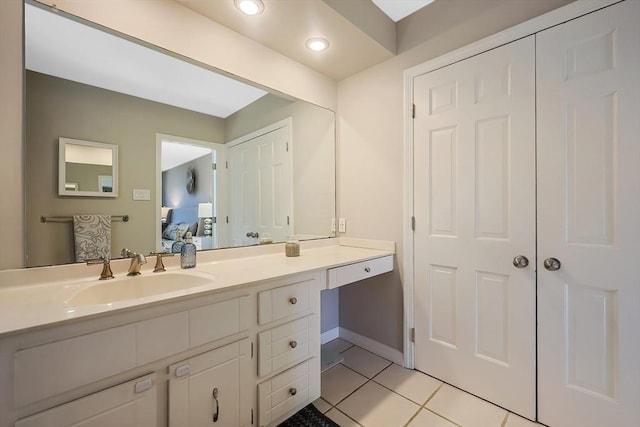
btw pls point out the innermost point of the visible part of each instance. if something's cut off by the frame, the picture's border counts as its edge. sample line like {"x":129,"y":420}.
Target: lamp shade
{"x":165,"y":211}
{"x":205,"y":210}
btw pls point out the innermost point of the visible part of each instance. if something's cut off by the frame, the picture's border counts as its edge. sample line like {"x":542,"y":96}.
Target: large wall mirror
{"x":196,"y":150}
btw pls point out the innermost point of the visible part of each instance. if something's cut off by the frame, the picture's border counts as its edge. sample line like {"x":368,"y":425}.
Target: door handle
{"x":552,"y":264}
{"x":520,"y":261}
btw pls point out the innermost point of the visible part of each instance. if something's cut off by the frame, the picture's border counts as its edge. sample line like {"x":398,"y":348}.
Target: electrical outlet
{"x":342,"y":225}
{"x":333,"y":225}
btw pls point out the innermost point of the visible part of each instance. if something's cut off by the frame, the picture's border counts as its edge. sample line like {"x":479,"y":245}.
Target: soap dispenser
{"x":188,"y":253}
{"x":176,"y":247}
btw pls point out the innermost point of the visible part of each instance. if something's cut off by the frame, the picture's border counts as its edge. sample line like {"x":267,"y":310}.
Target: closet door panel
{"x":588,"y":98}
{"x":474,"y":201}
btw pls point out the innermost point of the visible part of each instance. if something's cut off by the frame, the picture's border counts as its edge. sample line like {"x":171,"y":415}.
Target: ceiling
{"x":359,"y":33}
{"x":399,"y":9}
{"x":64,"y":48}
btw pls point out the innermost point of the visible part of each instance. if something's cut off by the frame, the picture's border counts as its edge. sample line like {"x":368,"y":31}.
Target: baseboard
{"x":329,"y":335}
{"x":373,"y":346}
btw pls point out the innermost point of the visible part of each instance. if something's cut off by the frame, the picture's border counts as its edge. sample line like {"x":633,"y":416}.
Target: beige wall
{"x":61,"y":108}
{"x":313,"y":156}
{"x":370,"y":147}
{"x":11,"y":145}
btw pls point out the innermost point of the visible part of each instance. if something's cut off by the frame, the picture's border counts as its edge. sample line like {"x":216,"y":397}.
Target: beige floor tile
{"x":517,"y":421}
{"x":321,"y":405}
{"x":465,"y":409}
{"x":338,"y":382}
{"x":338,"y":345}
{"x":411,"y":384}
{"x":374,"y":406}
{"x":341,"y":419}
{"x":427,"y":418}
{"x":364,"y":362}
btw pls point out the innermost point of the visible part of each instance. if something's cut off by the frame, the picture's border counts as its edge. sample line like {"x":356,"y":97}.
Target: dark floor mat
{"x":308,"y":416}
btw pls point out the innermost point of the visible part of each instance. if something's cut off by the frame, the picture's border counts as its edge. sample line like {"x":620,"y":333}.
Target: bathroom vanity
{"x":233,"y":342}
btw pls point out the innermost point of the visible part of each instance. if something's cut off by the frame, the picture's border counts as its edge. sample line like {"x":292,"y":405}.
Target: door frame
{"x":218,"y":180}
{"x":535,"y":25}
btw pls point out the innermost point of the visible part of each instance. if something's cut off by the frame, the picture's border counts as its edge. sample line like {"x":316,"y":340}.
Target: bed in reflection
{"x":179,"y":222}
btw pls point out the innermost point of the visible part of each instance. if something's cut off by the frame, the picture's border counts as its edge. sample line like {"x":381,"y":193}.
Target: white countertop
{"x":27,"y":303}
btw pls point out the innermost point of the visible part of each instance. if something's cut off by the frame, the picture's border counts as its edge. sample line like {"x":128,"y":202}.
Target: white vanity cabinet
{"x":175,"y":364}
{"x":244,"y":351}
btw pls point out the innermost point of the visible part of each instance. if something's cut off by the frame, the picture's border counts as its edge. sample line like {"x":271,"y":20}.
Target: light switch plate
{"x":139,"y":194}
{"x":342,"y":225}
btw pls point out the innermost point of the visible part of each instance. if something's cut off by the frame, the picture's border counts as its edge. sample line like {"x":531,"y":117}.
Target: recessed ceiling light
{"x":250,"y":7}
{"x":317,"y":44}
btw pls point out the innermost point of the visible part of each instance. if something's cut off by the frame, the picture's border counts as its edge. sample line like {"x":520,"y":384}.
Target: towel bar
{"x":43,"y":219}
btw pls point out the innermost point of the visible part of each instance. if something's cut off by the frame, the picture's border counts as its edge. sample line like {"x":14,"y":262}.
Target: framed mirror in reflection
{"x":85,"y":84}
{"x":87,"y":168}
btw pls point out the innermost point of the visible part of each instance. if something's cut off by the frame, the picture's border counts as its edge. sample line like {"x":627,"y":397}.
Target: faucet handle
{"x":127,"y":253}
{"x":106,"y":272}
{"x":159,"y":264}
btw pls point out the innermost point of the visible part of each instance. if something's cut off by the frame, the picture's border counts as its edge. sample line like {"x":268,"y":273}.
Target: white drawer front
{"x":288,"y":391}
{"x":219,"y":320}
{"x":284,"y":345}
{"x":284,"y":301}
{"x":161,"y":337}
{"x":133,"y":403}
{"x":346,"y":274}
{"x":54,"y":368}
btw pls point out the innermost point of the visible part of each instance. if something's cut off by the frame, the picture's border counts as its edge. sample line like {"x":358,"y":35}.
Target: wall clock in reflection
{"x":191,"y":180}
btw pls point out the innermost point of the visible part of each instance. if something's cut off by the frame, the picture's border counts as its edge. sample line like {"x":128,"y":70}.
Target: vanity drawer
{"x":215,"y":321}
{"x":284,"y":345}
{"x":133,"y":403}
{"x":288,"y":391}
{"x":346,"y":274}
{"x":284,"y":301}
{"x":54,"y":368}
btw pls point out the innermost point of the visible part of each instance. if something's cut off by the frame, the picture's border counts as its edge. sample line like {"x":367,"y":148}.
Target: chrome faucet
{"x":136,"y":261}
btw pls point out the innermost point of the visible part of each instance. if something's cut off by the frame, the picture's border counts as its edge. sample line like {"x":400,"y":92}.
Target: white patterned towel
{"x":92,"y":236}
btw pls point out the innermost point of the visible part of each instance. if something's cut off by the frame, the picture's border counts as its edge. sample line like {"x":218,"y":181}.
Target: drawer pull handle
{"x":293,"y":391}
{"x":293,"y":344}
{"x":293,"y":300}
{"x":216,"y":415}
{"x":367,"y":269}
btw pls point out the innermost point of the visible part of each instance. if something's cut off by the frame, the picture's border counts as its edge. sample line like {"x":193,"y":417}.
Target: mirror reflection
{"x":87,"y":168}
{"x":234,"y":164}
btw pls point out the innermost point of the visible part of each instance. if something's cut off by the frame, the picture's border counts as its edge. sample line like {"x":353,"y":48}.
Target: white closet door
{"x":474,"y":205}
{"x":588,"y":110}
{"x":261,"y":187}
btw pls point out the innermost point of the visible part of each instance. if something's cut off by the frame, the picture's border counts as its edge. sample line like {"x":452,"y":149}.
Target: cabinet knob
{"x":293,"y":344}
{"x":293,"y":300}
{"x":367,"y":269}
{"x":293,"y":391}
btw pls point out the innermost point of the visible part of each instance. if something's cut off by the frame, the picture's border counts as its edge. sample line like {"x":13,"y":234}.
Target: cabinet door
{"x":129,"y":404}
{"x":212,"y":389}
{"x":588,"y":90}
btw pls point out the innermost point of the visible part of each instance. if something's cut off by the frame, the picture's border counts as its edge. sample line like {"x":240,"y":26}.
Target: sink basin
{"x":130,"y":288}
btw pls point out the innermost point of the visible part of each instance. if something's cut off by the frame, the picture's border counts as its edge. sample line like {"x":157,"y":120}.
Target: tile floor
{"x":368,"y":391}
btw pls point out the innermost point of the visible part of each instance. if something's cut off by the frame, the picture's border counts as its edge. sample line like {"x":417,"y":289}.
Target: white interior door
{"x":589,"y":196}
{"x":261,"y":187}
{"x":474,"y":205}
